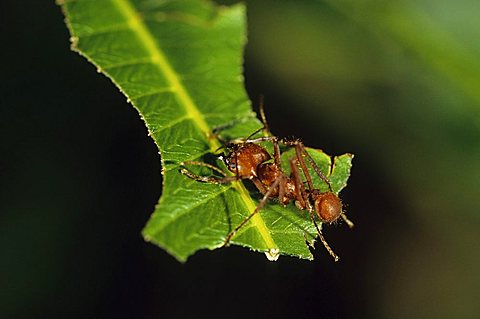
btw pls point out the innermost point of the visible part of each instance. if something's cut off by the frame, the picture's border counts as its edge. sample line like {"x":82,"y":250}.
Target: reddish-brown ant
{"x":248,"y":160}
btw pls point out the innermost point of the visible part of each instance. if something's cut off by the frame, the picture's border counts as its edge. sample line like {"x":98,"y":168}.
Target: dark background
{"x":79,"y":176}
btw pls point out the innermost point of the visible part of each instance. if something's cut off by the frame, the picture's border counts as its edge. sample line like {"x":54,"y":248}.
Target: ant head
{"x":244,"y":159}
{"x":328,"y":206}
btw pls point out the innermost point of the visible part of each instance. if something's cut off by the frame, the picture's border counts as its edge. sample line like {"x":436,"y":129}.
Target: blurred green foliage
{"x":398,"y":83}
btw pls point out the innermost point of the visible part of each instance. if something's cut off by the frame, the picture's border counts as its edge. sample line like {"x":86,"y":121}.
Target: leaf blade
{"x":179,"y":64}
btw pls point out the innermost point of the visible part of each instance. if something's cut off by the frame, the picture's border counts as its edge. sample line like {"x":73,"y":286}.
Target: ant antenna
{"x":266,"y":129}
{"x":219,"y":148}
{"x":317,"y":169}
{"x":215,"y":135}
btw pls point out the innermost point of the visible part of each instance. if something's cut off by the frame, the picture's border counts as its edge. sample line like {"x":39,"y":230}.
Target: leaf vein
{"x":185,"y":211}
{"x":159,"y":59}
{"x":106,"y":30}
{"x":166,"y":89}
{"x":144,"y":60}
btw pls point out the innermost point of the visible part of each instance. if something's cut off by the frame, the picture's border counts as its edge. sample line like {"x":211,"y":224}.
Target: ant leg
{"x":299,"y":155}
{"x":322,"y":239}
{"x":298,"y":151}
{"x":276,"y":146}
{"x":282,"y":188}
{"x":276,"y":153}
{"x":315,"y":167}
{"x":258,"y":183}
{"x":206,"y":179}
{"x":261,"y":204}
{"x":301,"y":196}
{"x":301,"y":151}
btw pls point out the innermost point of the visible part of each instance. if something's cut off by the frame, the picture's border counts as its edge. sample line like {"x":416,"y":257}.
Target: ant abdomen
{"x":328,"y":207}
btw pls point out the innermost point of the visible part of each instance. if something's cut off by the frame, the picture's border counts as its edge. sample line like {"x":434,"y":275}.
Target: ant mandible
{"x":248,"y":160}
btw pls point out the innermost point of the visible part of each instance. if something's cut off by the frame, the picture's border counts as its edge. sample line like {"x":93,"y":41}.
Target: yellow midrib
{"x":159,"y":59}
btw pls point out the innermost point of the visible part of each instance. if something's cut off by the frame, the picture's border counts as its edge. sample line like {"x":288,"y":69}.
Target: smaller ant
{"x":248,"y":160}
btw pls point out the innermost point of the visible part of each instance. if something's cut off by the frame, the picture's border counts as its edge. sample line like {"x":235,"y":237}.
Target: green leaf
{"x":180,"y":65}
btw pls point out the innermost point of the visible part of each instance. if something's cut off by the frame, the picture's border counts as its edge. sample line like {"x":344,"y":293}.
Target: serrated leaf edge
{"x":159,"y":59}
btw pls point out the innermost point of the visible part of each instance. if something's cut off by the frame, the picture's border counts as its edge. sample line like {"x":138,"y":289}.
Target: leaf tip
{"x":273,"y":254}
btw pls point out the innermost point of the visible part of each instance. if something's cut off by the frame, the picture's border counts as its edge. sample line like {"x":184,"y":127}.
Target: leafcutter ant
{"x":247,"y":159}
